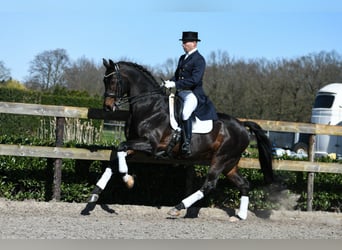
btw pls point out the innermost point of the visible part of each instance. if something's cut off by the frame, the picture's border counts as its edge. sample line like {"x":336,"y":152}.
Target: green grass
{"x":109,"y":137}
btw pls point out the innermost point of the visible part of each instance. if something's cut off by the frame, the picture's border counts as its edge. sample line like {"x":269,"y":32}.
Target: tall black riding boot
{"x":187,"y":133}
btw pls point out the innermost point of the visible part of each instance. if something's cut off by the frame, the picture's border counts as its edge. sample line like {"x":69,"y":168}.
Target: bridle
{"x":118,"y":90}
{"x":121,"y":98}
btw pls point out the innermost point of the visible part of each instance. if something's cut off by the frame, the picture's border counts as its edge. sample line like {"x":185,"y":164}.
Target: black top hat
{"x":190,"y":36}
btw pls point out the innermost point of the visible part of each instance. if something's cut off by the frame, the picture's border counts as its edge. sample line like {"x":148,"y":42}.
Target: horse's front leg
{"x":127,"y":148}
{"x":95,"y":194}
{"x":123,"y":169}
{"x":124,"y":149}
{"x":104,"y":179}
{"x":107,"y":174}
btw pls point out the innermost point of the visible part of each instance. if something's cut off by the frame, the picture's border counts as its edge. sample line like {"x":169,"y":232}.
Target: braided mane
{"x":142,"y":69}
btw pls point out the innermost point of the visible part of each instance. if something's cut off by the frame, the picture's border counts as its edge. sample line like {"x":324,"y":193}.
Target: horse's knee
{"x":122,"y":146}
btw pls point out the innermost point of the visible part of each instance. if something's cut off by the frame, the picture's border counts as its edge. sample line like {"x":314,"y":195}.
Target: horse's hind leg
{"x":243,"y":185}
{"x":209,"y":184}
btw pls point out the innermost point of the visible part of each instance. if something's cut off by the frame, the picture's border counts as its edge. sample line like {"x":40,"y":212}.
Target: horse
{"x":148,"y":131}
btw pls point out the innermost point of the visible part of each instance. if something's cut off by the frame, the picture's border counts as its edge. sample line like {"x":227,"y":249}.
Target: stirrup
{"x":186,"y":149}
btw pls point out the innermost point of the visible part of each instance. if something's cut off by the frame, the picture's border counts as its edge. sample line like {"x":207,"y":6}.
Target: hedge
{"x":26,"y":126}
{"x":31,"y":178}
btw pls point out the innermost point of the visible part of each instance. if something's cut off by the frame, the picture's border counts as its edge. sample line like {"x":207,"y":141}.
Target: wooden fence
{"x":58,"y":152}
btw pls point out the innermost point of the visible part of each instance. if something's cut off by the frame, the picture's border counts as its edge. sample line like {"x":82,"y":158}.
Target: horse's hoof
{"x":174,"y":212}
{"x":129,"y":180}
{"x":90,"y":207}
{"x":234,"y":218}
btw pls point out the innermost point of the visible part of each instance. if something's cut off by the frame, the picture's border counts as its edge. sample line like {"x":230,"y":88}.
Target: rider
{"x":189,"y":85}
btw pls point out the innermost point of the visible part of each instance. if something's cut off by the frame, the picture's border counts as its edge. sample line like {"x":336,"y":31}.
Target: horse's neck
{"x":140,"y":87}
{"x":152,"y":106}
{"x":147,"y":100}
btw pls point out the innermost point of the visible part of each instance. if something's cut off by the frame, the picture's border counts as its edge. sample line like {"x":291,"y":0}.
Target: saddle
{"x":198,"y":126}
{"x":176,"y":107}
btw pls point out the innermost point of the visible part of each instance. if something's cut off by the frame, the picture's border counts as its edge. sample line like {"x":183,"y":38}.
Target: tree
{"x":85,"y":75}
{"x":4,"y":72}
{"x":47,"y":69}
{"x":272,"y":90}
{"x":166,"y":70}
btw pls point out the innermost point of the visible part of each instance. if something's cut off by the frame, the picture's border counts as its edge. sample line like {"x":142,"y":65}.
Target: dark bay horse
{"x":148,"y":130}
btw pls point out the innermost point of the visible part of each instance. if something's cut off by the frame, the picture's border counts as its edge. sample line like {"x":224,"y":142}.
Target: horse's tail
{"x":265,"y":150}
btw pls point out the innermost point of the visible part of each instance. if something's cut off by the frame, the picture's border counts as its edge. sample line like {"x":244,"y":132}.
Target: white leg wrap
{"x":122,"y":162}
{"x":126,"y":177}
{"x":243,"y":207}
{"x":193,"y":198}
{"x":104,"y":178}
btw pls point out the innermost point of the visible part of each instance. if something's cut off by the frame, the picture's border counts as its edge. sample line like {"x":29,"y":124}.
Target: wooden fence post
{"x":57,"y":175}
{"x":311,"y":175}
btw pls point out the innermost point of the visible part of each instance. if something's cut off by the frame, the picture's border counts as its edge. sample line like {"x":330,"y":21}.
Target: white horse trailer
{"x":327,"y":109}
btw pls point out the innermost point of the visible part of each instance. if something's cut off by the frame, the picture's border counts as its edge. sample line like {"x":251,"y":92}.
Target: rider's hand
{"x":169,"y":84}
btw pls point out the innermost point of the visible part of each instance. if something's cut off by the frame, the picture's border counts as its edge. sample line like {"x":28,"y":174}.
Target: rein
{"x":118,"y":93}
{"x":135,"y":99}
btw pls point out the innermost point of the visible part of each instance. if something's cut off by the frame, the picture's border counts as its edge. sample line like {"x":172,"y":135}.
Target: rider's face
{"x":189,"y":45}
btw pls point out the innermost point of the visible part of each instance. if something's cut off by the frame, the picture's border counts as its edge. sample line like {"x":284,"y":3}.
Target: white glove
{"x":169,"y":84}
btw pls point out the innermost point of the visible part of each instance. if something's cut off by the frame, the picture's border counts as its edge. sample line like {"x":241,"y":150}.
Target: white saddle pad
{"x":198,"y":126}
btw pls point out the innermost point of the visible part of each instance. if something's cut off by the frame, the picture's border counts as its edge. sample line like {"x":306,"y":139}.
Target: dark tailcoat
{"x":189,"y":76}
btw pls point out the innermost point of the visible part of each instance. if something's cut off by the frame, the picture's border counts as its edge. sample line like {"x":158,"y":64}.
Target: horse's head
{"x":114,"y":86}
{"x":127,"y":82}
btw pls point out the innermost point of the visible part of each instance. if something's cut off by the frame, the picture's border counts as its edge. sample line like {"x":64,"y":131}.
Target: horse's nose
{"x":106,"y":108}
{"x":108,"y":105}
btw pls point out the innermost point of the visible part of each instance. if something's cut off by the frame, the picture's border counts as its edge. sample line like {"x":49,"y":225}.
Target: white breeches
{"x":190,"y":103}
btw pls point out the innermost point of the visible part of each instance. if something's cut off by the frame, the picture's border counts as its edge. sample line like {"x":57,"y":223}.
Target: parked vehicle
{"x":294,"y":144}
{"x":327,"y":109}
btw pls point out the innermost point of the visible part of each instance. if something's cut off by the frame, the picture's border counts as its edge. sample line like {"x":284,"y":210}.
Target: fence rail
{"x":108,"y":154}
{"x":59,"y":152}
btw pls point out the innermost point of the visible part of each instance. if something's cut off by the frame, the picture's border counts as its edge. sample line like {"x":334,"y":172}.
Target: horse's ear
{"x":111,"y":62}
{"x":105,"y":63}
